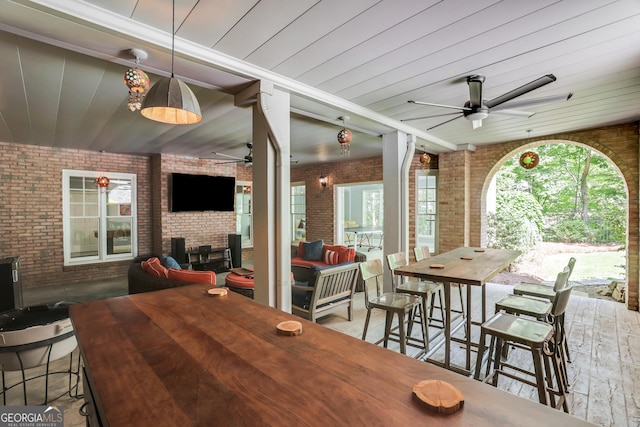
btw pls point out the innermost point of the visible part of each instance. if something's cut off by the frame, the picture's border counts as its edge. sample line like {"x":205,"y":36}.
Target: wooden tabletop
{"x":181,"y":357}
{"x":471,"y":266}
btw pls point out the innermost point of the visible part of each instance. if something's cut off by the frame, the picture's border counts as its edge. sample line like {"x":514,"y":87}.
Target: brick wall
{"x":619,"y":143}
{"x":197,"y":228}
{"x":31,"y":209}
{"x":320,"y":201}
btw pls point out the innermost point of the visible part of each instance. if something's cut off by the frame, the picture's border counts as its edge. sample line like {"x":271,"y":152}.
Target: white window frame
{"x":434,"y":215}
{"x":246,"y":243}
{"x":296,"y":217}
{"x":102,"y":218}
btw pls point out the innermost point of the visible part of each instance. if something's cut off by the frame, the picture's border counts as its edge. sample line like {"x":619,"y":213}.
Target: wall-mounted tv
{"x":191,"y":193}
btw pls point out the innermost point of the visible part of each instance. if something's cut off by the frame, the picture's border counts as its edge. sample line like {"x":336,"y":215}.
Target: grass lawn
{"x":594,"y":265}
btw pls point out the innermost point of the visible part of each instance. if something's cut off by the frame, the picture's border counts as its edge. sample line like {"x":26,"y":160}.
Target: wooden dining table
{"x":465,"y":265}
{"x":183,"y":357}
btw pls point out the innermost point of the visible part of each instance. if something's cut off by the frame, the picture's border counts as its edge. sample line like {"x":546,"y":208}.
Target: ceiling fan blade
{"x":538,"y":83}
{"x":428,"y":117}
{"x":475,"y":90}
{"x":515,"y":113}
{"x":440,"y":105}
{"x":533,"y":102}
{"x":230,"y":161}
{"x":228,"y":156}
{"x":445,"y":122}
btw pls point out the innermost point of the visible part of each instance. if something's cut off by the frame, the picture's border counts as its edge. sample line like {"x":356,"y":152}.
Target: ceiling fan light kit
{"x":170,"y":100}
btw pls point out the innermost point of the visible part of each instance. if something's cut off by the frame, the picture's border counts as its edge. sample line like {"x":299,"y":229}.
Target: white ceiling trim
{"x":131,"y":29}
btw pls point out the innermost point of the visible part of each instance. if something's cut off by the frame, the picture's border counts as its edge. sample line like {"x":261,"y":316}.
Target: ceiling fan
{"x":248,"y":159}
{"x":478,"y":108}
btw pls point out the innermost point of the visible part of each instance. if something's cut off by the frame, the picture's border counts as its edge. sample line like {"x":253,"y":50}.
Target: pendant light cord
{"x":173,"y":35}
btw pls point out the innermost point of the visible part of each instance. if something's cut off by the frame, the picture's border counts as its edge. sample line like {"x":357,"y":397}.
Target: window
{"x":298,"y":212}
{"x":373,"y":201}
{"x":426,"y":209}
{"x":244,"y":216}
{"x":99,"y":223}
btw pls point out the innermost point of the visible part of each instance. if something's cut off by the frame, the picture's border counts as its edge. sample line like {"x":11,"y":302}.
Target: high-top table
{"x":182,"y":357}
{"x":465,"y":265}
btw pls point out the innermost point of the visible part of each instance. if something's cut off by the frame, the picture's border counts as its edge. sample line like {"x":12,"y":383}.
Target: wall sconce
{"x":323,"y":180}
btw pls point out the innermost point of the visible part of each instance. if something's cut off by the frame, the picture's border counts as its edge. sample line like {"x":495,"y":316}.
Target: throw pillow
{"x":153,"y":267}
{"x":313,"y":251}
{"x":170,"y":262}
{"x":345,"y":254}
{"x":299,"y":297}
{"x":330,"y":257}
{"x":192,"y":276}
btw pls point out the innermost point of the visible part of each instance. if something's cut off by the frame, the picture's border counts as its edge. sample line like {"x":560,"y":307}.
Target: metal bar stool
{"x":542,"y":291}
{"x":423,"y":252}
{"x":539,"y":309}
{"x":541,"y":339}
{"x":392,"y":303}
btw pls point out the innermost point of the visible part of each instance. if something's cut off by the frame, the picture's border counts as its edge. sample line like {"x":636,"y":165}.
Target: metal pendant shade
{"x":171,"y":101}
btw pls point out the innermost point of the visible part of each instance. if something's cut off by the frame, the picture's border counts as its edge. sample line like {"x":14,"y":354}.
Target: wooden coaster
{"x":436,"y":266}
{"x":439,"y":396}
{"x":218,"y":292}
{"x":289,"y":327}
{"x":478,"y":250}
{"x":466,"y":257}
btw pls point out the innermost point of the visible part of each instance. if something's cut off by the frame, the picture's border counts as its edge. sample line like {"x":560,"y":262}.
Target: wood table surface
{"x":181,"y":357}
{"x":465,"y":265}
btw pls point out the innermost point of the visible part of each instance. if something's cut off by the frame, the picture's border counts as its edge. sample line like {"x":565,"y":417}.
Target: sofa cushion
{"x":153,"y":267}
{"x":301,"y":298}
{"x":192,"y":276}
{"x":330,"y":257}
{"x":313,"y":250}
{"x":170,"y":262}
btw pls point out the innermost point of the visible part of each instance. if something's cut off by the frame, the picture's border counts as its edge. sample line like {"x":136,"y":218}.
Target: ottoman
{"x":240,"y":283}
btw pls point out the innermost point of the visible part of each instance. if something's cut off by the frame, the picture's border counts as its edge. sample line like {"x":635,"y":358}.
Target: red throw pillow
{"x":154,"y":267}
{"x":345,"y":254}
{"x":300,"y":249}
{"x":330,"y":257}
{"x":191,"y":276}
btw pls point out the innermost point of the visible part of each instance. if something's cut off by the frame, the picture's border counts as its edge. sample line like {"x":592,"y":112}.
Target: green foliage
{"x":516,"y":223}
{"x":566,"y":171}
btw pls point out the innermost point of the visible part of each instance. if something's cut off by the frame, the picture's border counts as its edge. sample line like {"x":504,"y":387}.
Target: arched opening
{"x":571,"y":204}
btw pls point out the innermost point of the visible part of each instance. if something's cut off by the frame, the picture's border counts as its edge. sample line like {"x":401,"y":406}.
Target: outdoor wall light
{"x":323,"y":180}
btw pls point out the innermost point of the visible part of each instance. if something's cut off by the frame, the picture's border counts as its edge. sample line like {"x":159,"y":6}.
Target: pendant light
{"x":170,"y":100}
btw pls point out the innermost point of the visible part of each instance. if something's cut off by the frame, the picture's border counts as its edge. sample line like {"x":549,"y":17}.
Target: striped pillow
{"x":153,"y":267}
{"x":331,"y":257}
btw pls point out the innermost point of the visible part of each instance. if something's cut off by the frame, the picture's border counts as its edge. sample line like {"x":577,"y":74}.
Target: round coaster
{"x":289,"y":327}
{"x":439,"y":396}
{"x":478,"y":250}
{"x":218,"y":292}
{"x":466,"y":257}
{"x":436,"y":266}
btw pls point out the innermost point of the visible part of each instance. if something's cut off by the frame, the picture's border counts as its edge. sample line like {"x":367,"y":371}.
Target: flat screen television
{"x":193,"y":193}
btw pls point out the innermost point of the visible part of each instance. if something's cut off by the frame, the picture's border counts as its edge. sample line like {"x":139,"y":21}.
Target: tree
{"x":572,"y":183}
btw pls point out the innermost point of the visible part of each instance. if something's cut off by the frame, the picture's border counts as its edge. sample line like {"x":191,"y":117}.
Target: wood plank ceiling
{"x":63,"y":61}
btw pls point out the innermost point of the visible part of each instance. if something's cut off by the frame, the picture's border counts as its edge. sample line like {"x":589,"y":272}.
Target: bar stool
{"x":541,"y":339}
{"x":423,"y":252}
{"x":426,"y":290}
{"x":393,"y":304}
{"x":539,"y":290}
{"x":538,"y":308}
